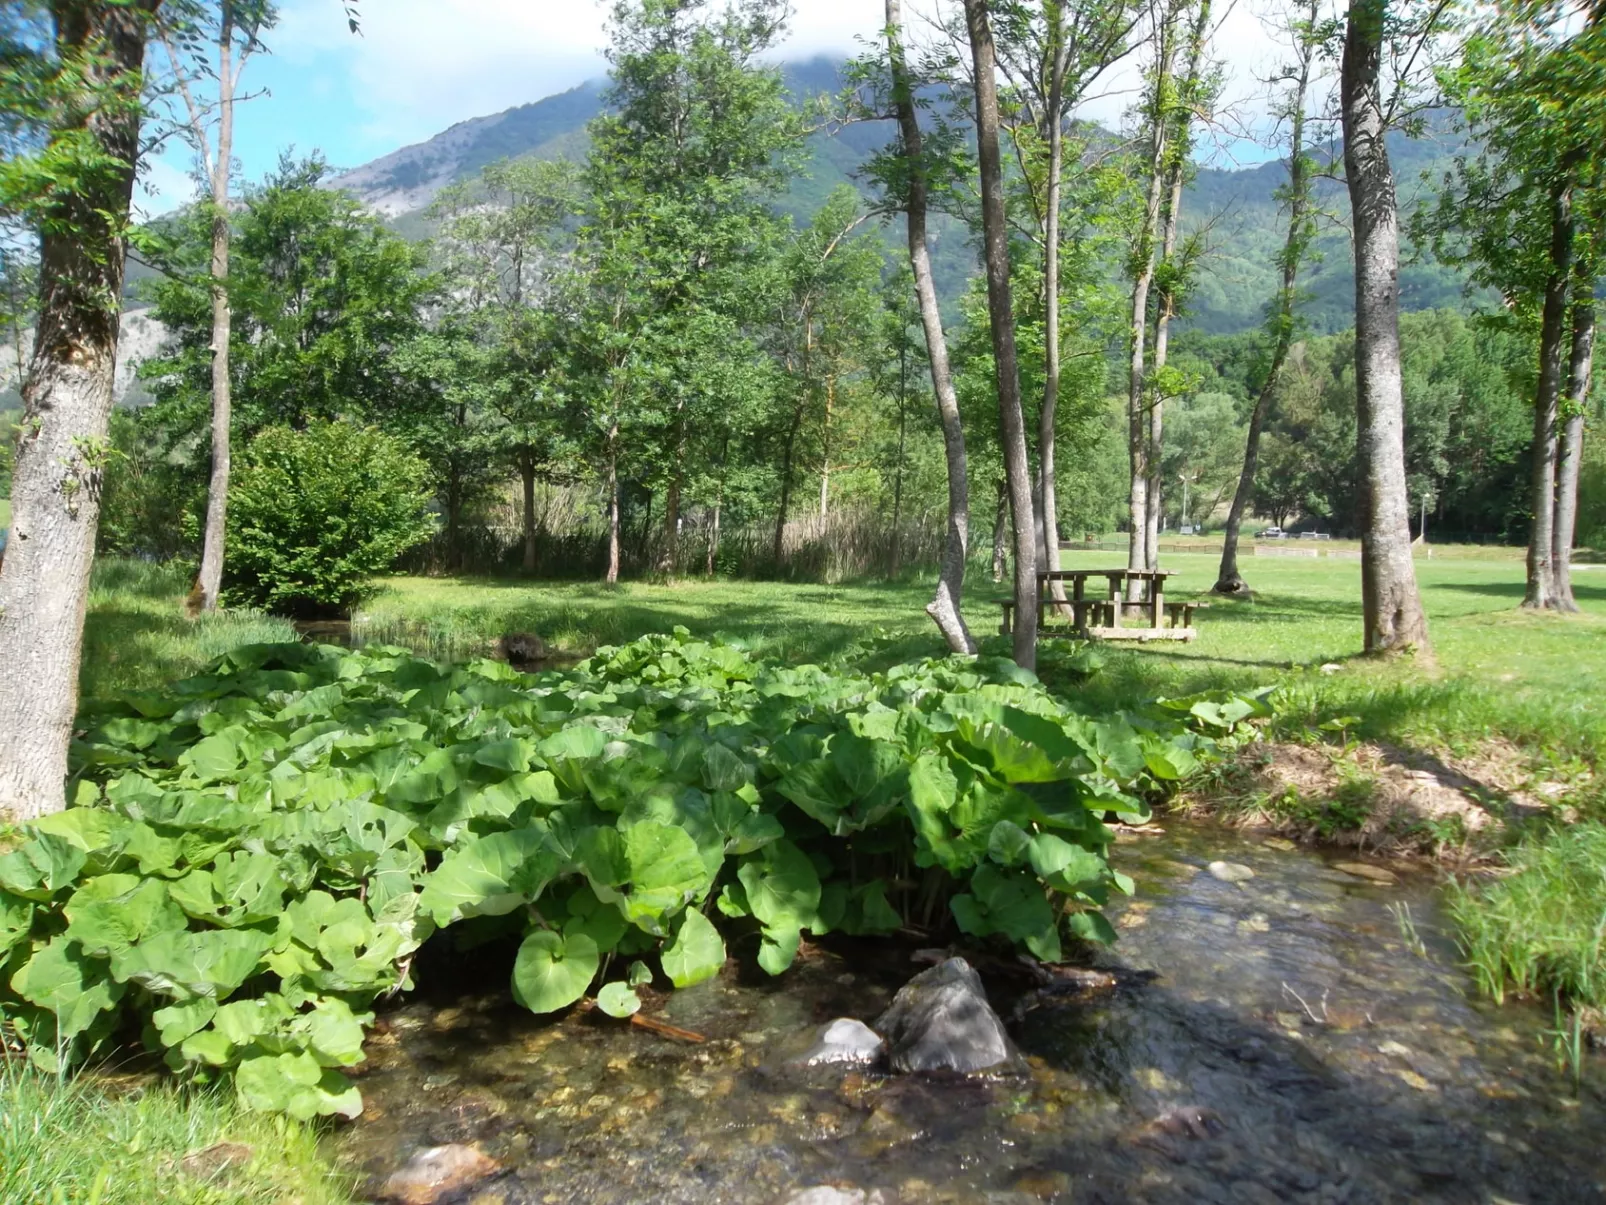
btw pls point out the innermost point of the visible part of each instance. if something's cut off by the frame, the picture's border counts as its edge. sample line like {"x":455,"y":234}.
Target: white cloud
{"x":164,"y":185}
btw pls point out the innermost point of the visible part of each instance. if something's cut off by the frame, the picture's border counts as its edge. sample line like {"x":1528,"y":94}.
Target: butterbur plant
{"x":257,"y":853}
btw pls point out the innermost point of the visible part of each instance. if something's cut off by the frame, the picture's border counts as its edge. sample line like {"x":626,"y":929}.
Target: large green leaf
{"x":297,"y":1085}
{"x":110,"y":913}
{"x":696,"y":953}
{"x":41,"y":867}
{"x":180,"y":964}
{"x":552,"y":972}
{"x":489,"y":876}
{"x":62,"y":978}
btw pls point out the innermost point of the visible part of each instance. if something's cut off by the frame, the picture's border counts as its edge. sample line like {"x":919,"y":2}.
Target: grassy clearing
{"x":137,"y":635}
{"x":80,"y":1140}
{"x":1533,"y":680}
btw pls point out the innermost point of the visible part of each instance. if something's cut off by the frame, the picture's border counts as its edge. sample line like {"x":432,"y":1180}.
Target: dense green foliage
{"x":257,"y":853}
{"x":75,"y":1139}
{"x":314,"y":514}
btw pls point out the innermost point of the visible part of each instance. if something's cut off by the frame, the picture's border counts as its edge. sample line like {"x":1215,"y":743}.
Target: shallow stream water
{"x":1294,"y":1046}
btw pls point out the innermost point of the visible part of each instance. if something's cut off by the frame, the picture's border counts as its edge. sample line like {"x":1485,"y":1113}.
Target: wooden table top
{"x":1071,"y":575}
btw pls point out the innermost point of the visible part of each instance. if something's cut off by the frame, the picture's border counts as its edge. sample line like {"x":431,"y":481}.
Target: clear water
{"x":1295,"y":1047}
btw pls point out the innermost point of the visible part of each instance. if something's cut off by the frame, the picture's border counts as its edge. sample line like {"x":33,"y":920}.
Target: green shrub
{"x":275,"y":838}
{"x":314,"y":514}
{"x":1541,"y":929}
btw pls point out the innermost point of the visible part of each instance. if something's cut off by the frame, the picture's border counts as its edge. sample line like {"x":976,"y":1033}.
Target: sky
{"x":419,"y":66}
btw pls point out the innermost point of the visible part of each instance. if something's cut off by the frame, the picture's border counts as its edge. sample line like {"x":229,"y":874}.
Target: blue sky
{"x":421,"y":65}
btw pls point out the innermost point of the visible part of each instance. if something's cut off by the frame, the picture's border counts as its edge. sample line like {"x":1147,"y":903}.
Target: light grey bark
{"x":944,"y":609}
{"x":1166,"y":300}
{"x":1142,"y":282}
{"x":1570,"y":454}
{"x":1047,"y":503}
{"x":1001,"y":315}
{"x":210,"y":578}
{"x":62,"y":442}
{"x":1541,"y":590}
{"x":1392,"y":607}
{"x":1228,"y":578}
{"x":612,"y":574}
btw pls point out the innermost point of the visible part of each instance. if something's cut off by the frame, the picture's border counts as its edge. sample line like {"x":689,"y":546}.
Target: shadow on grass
{"x":1517,"y":589}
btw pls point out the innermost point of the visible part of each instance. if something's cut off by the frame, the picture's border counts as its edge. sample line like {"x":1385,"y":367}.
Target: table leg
{"x":1156,"y":606}
{"x":1117,"y":602}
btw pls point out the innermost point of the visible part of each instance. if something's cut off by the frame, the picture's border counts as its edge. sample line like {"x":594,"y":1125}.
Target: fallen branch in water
{"x":653,"y":1025}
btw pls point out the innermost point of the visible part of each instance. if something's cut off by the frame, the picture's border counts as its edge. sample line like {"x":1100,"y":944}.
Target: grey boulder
{"x":845,"y":1041}
{"x":940,"y":1021}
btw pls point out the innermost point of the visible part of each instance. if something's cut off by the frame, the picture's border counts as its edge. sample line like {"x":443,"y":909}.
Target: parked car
{"x":1271,"y":533}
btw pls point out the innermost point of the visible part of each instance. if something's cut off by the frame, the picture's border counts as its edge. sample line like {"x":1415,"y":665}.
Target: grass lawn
{"x":1533,"y":679}
{"x":101,"y":1141}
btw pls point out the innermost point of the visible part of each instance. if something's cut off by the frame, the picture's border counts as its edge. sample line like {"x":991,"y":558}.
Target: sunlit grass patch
{"x":1540,"y":930}
{"x":73,"y":1139}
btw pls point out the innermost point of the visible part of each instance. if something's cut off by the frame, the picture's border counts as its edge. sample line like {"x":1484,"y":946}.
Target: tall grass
{"x":72,"y":1140}
{"x":1541,"y":929}
{"x":138,"y":637}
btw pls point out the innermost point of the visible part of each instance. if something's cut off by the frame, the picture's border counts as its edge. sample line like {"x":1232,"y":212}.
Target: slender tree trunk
{"x":1000,"y":306}
{"x":1541,"y":593}
{"x":1228,"y":578}
{"x":1392,"y":607}
{"x":527,"y":472}
{"x":897,"y":474}
{"x":945,"y":608}
{"x":1570,"y":456}
{"x":217,"y":493}
{"x":612,"y":575}
{"x":1047,"y":480}
{"x":779,"y":546}
{"x":61,"y":442}
{"x":1001,"y":530}
{"x":1138,"y":437}
{"x":719,"y":502}
{"x":825,"y":448}
{"x":669,"y":554}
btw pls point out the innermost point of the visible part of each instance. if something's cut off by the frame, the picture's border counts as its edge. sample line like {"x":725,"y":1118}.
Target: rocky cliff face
{"x":141,"y":337}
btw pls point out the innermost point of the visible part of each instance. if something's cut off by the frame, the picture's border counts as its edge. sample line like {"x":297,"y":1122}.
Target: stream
{"x":1296,"y":1045}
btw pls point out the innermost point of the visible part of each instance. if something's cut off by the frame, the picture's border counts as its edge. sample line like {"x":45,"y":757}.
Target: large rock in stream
{"x":940,"y":1021}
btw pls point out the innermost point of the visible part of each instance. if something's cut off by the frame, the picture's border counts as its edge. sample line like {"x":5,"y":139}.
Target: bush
{"x":275,"y":838}
{"x":314,"y":514}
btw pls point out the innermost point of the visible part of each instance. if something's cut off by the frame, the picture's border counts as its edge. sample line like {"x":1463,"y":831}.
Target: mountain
{"x":1234,"y":210}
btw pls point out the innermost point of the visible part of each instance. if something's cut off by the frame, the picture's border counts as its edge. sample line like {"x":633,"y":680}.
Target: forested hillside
{"x":1238,"y":205}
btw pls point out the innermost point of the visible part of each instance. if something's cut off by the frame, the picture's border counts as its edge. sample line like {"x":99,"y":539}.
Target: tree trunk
{"x":897,"y":474}
{"x":669,"y":554}
{"x":1228,"y":578}
{"x":1541,"y":593}
{"x":825,"y":448}
{"x":778,"y":548}
{"x":1392,"y":607}
{"x":612,"y":575}
{"x":217,"y":492}
{"x":1001,"y":314}
{"x":1570,"y":456}
{"x":1142,"y":281}
{"x":527,"y":472}
{"x":1000,"y":531}
{"x":945,"y":608}
{"x":1047,"y":480}
{"x":62,"y":443}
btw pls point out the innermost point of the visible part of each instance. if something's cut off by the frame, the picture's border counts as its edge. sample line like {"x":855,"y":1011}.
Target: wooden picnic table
{"x":1128,"y":593}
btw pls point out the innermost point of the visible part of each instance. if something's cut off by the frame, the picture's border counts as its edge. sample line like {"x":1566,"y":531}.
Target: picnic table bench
{"x":1107,"y":616}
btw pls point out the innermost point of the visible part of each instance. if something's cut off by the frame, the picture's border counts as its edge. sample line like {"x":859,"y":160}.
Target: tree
{"x":699,"y":139}
{"x":1001,"y":315}
{"x":1521,"y":215}
{"x":907,"y":178}
{"x":1392,"y":608}
{"x":195,"y":38}
{"x":1282,"y":325}
{"x":73,"y":92}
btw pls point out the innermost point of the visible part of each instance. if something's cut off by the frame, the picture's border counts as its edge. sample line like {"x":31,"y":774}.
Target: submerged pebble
{"x":1231,"y":872}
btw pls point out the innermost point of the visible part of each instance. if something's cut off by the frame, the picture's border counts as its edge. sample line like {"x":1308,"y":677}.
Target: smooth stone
{"x":844,"y":1041}
{"x":1280,"y":843}
{"x":1365,"y":870}
{"x":1231,"y":872}
{"x":941,"y":1021}
{"x":437,"y":1172}
{"x":825,"y":1194}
